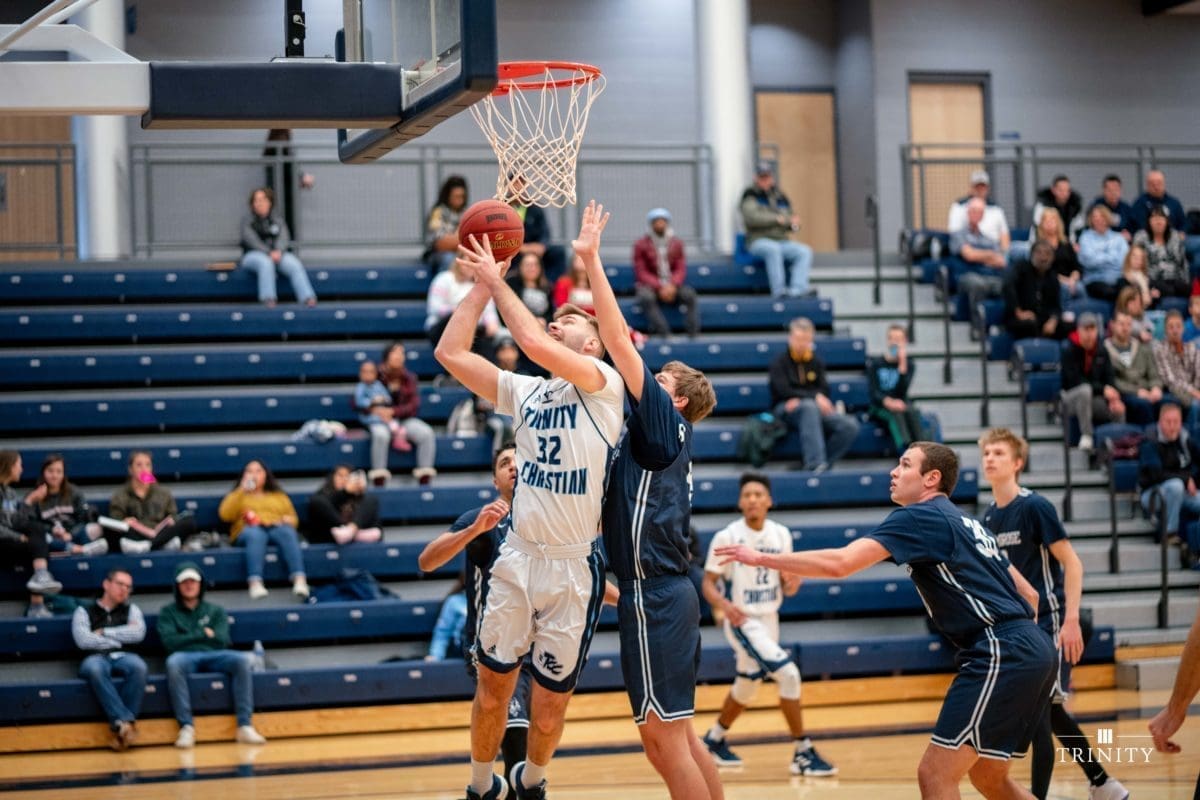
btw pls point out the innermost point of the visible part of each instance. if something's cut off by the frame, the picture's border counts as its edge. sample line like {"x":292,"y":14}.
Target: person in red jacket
{"x":406,"y":399}
{"x":659,"y":268}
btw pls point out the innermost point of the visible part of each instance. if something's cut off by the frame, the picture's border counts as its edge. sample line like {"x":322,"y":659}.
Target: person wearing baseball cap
{"x":659,"y":270}
{"x":195,"y":634}
{"x":1089,"y":393}
{"x":994,"y":224}
{"x":770,"y":221}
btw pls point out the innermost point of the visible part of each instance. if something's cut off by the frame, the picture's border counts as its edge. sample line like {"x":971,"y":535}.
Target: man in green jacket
{"x":195,"y":634}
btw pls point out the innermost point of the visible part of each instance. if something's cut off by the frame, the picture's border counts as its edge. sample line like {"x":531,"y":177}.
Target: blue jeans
{"x":775,"y":254}
{"x":122,"y":705}
{"x":255,"y":538}
{"x":823,"y":439}
{"x":289,"y":265}
{"x":1138,"y":410}
{"x":231,"y":662}
{"x":1175,"y":493}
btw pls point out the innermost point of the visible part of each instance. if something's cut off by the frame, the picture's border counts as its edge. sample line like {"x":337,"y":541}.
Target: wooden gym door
{"x":944,"y":113}
{"x":801,"y":125}
{"x":34,"y":189}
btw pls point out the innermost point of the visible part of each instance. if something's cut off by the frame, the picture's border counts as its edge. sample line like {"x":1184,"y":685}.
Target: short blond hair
{"x":1017,"y":444}
{"x":696,"y":387}
{"x":567,"y":309}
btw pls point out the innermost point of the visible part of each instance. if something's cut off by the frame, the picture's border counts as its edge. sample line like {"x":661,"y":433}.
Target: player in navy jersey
{"x":1029,"y":533}
{"x":645,"y":521}
{"x":978,"y":600}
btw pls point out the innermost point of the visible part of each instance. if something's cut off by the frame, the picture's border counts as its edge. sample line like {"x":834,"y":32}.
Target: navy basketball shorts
{"x":659,"y":622}
{"x":1002,"y":689}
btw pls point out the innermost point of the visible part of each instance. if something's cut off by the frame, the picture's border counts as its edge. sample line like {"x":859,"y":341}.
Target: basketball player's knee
{"x":491,"y":694}
{"x":744,"y":690}
{"x":787,"y":678}
{"x":989,"y":776}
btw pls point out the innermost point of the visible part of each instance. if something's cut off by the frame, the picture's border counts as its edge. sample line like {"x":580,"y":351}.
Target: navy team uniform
{"x":1006,"y":664}
{"x":647,"y":512}
{"x":480,"y":553}
{"x":1024,"y":530}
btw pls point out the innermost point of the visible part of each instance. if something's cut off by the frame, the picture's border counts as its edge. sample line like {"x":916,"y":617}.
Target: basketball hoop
{"x":534,"y":120}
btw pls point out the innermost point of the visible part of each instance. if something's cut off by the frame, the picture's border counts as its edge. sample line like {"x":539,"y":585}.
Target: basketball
{"x":501,"y":224}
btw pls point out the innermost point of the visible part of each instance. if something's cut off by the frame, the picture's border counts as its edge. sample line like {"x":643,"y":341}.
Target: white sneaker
{"x":257,"y":590}
{"x":1086,"y":444}
{"x":186,"y":738}
{"x":1111,"y":789}
{"x":135,"y":547}
{"x":300,"y":587}
{"x":174,"y":544}
{"x":247,"y":735}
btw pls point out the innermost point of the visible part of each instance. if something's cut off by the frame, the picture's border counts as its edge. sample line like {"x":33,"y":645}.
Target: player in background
{"x":1030,"y":534}
{"x":548,"y":580}
{"x":645,"y":521}
{"x":750,"y":603}
{"x":977,"y":599}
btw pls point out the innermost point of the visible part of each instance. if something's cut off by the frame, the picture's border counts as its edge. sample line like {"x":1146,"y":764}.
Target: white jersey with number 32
{"x":756,"y":590}
{"x":565,"y":438}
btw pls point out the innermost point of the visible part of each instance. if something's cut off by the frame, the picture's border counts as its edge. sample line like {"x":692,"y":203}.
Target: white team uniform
{"x":548,"y":580}
{"x":758,"y":591}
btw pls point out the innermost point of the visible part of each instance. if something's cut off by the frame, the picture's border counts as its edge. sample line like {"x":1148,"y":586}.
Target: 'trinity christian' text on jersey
{"x":648,"y":509}
{"x":564,"y":438}
{"x":1024,"y":530}
{"x":755,"y":590}
{"x":957,"y":567}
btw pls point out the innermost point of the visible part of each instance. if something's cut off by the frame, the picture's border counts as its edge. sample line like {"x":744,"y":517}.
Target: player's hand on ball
{"x":593,"y":224}
{"x":478,"y":262}
{"x":739,"y":553}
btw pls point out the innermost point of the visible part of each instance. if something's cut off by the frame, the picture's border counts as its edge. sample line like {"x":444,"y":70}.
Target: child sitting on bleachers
{"x":374,"y":405}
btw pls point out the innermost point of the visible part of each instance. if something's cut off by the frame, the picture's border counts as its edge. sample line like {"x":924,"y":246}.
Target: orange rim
{"x":510,"y":73}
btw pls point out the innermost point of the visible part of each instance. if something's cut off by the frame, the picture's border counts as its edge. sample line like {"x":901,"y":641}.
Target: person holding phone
{"x":260,"y":512}
{"x":888,"y":378}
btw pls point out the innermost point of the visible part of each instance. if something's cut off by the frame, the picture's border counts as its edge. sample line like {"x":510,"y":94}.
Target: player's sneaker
{"x":1111,"y":789}
{"x":722,"y":755}
{"x":499,"y":790}
{"x":807,"y":762}
{"x":520,"y":791}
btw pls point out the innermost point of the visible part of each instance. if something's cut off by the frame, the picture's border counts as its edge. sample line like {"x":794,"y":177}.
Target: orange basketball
{"x":499,"y":222}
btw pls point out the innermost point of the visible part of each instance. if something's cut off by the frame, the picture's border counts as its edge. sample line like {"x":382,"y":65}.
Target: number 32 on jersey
{"x":985,"y":543}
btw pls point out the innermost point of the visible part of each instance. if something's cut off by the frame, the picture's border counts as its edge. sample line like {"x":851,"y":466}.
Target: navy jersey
{"x":648,"y":505}
{"x":957,"y":567}
{"x":1024,"y":530}
{"x":480,"y":553}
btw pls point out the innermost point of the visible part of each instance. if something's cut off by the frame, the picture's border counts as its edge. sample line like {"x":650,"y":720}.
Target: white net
{"x":535,"y":129}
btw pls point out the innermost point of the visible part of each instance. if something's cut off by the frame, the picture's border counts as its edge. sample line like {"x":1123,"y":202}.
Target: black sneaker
{"x":722,"y":755}
{"x":807,"y":762}
{"x":499,"y":790}
{"x":519,"y":791}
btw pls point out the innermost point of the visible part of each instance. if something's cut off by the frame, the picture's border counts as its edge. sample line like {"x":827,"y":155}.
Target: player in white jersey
{"x":750,"y":603}
{"x":548,"y":580}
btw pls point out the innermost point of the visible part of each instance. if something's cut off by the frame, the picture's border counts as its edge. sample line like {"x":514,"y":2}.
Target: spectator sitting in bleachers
{"x":441,"y":224}
{"x":342,"y":511}
{"x":1154,"y":196}
{"x":1169,"y":460}
{"x":994,"y":224}
{"x":1066,"y":262}
{"x":195,"y":634}
{"x":65,"y":513}
{"x":1135,"y":275}
{"x":405,"y":394}
{"x":974,"y":246}
{"x":1178,"y":364}
{"x":104,"y":629}
{"x":529,"y":283}
{"x":769,"y":220}
{"x":446,"y":291}
{"x":574,"y":288}
{"x":659,"y":269}
{"x":23,"y":536}
{"x":1134,"y":373}
{"x":888,"y":378}
{"x":1032,"y":298}
{"x":266,"y":246}
{"x":452,"y":618}
{"x":1191,"y":329}
{"x":259,"y":511}
{"x":148,"y":510}
{"x":1061,"y":197}
{"x":1121,"y":217}
{"x":1129,"y":301}
{"x":373,"y":402}
{"x":1167,"y":260}
{"x":1089,"y":385}
{"x":1101,"y":254}
{"x":800,"y":397}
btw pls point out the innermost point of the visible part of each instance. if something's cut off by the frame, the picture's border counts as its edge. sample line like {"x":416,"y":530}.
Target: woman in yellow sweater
{"x":259,"y":511}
